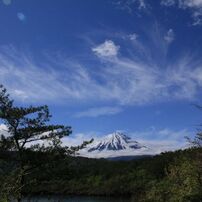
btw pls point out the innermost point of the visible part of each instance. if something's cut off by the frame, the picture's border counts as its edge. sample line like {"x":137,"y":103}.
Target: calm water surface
{"x":75,"y":199}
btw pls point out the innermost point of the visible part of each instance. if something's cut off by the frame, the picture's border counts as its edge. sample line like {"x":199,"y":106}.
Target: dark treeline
{"x":171,"y":176}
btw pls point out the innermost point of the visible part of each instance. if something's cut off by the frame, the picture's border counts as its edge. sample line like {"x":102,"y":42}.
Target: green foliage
{"x":182,"y":182}
{"x":26,"y":125}
{"x":172,"y":176}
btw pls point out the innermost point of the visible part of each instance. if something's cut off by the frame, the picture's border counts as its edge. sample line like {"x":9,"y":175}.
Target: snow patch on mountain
{"x":114,"y":145}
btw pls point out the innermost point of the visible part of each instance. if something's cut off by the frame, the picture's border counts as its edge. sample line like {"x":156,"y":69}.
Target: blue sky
{"x":101,"y":66}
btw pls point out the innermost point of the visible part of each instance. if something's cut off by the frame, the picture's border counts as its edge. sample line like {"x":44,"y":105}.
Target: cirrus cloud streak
{"x":121,"y":80}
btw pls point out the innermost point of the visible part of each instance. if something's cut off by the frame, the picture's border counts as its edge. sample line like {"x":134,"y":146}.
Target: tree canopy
{"x":27,"y":126}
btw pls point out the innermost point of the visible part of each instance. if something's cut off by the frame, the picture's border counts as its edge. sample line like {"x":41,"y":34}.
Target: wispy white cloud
{"x":183,"y":3}
{"x":72,"y":140}
{"x":121,"y":80}
{"x":167,"y":2}
{"x":55,"y":80}
{"x":21,"y":16}
{"x":170,"y":36}
{"x":163,"y":139}
{"x":194,"y":6}
{"x":133,"y":36}
{"x":79,"y":138}
{"x":3,"y":130}
{"x":99,"y":111}
{"x":190,"y":3}
{"x":130,"y":5}
{"x":106,"y":49}
{"x":6,"y":2}
{"x":197,"y":16}
{"x":142,"y":4}
{"x":143,"y":77}
{"x":161,"y":134}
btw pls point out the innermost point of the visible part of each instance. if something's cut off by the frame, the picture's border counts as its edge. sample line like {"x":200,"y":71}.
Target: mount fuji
{"x":116,"y":144}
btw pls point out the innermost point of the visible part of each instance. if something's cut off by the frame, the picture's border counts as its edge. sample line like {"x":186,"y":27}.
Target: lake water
{"x":76,"y":199}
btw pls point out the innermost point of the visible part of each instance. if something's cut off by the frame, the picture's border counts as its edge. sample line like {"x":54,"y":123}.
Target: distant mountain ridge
{"x":114,"y":145}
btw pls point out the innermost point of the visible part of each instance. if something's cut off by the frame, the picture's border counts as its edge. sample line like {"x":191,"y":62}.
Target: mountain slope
{"x":115,"y":141}
{"x":114,"y":145}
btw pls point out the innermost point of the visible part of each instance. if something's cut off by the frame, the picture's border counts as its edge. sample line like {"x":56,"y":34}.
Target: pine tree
{"x":26,"y":125}
{"x":197,"y":140}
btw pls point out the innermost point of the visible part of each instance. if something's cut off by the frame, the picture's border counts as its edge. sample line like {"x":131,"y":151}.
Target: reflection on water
{"x":75,"y":199}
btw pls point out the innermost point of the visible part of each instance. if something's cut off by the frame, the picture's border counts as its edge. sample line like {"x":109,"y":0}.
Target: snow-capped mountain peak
{"x":114,"y":144}
{"x":115,"y":141}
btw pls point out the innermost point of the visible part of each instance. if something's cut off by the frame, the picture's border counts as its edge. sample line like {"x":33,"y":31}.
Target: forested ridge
{"x":171,"y":176}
